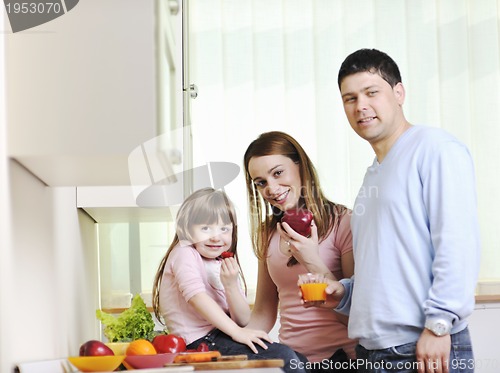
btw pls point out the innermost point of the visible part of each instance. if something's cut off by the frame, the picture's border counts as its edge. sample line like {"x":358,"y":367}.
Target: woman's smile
{"x":277,"y":178}
{"x":282,"y":197}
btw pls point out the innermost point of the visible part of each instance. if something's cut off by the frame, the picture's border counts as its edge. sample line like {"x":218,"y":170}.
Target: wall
{"x":5,"y":252}
{"x":485,"y":331}
{"x":51,"y":286}
{"x":77,"y":94}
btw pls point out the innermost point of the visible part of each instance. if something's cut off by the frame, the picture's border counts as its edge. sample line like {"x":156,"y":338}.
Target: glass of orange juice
{"x":312,"y":286}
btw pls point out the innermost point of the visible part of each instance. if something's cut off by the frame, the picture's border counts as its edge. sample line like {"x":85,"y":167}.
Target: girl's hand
{"x":304,"y":249}
{"x":229,"y":271}
{"x":250,"y":337}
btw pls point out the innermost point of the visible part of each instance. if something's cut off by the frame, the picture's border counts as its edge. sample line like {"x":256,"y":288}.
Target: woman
{"x":280,"y":176}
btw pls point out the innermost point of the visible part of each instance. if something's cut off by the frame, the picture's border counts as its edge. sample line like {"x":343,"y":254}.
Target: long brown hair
{"x":205,"y":206}
{"x":263,"y":216}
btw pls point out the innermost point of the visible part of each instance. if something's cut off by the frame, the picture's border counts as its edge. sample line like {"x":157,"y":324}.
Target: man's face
{"x":372,"y":106}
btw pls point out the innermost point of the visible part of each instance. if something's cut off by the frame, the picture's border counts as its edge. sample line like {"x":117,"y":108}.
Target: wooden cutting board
{"x":213,"y":365}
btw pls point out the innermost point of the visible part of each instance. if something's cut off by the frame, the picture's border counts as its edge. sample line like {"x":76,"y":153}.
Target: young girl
{"x":199,"y":295}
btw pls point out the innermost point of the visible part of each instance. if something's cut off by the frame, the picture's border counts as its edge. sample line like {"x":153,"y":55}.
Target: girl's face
{"x":277,"y":179}
{"x":211,"y":240}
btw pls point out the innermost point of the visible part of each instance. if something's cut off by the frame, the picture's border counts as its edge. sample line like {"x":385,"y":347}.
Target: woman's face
{"x":277,"y":178}
{"x":211,"y":240}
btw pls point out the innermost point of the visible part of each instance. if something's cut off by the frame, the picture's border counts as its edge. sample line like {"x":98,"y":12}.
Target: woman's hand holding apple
{"x":299,"y":220}
{"x":304,"y":249}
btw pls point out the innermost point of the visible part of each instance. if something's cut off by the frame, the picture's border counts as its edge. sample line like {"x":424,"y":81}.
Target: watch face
{"x":439,"y":328}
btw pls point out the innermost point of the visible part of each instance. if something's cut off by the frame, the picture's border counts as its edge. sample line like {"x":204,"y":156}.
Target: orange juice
{"x":313,"y":292}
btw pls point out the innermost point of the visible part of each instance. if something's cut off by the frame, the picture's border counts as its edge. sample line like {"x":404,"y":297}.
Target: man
{"x":415,"y":232}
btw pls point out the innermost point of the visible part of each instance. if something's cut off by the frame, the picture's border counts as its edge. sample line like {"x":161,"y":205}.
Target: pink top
{"x":186,"y":274}
{"x":314,"y":332}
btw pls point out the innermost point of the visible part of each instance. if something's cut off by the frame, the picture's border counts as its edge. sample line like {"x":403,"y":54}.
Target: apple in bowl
{"x":95,"y":348}
{"x":299,"y":220}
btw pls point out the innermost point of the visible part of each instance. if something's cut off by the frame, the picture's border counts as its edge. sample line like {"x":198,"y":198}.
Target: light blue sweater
{"x":416,"y":241}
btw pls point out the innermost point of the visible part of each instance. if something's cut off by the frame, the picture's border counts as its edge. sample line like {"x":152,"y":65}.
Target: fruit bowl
{"x":149,"y":361}
{"x":96,"y":363}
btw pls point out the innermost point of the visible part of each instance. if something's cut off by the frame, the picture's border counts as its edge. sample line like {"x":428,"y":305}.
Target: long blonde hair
{"x":263,"y":216}
{"x":205,"y":206}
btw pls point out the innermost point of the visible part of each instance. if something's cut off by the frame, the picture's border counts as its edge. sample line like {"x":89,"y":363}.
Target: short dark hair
{"x":370,"y":60}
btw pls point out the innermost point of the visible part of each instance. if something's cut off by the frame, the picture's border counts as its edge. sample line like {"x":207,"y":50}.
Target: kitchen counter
{"x":487,"y":298}
{"x":63,"y":366}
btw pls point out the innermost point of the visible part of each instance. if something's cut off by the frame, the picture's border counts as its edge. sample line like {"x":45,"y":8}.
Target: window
{"x":129,"y":255}
{"x":273,"y":65}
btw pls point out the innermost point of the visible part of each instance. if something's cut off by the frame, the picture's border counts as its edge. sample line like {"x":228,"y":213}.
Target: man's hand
{"x":433,"y":353}
{"x":334,"y":291}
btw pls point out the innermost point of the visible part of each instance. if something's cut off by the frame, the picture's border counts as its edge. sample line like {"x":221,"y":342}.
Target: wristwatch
{"x":439,"y":327}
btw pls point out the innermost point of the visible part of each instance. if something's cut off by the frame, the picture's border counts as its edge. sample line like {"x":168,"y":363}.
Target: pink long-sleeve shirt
{"x":186,"y":274}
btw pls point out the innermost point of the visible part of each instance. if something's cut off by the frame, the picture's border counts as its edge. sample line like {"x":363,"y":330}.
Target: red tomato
{"x":169,"y":343}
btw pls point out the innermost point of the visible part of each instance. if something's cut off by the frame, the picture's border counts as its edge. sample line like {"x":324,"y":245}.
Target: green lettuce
{"x":134,"y":323}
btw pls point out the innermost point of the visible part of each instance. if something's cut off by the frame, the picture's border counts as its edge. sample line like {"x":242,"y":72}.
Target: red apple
{"x":299,"y":220}
{"x":95,"y":348}
{"x":169,"y":343}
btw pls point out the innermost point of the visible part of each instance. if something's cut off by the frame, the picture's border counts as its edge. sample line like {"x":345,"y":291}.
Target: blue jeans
{"x":402,"y":359}
{"x":339,"y":362}
{"x":219,"y":341}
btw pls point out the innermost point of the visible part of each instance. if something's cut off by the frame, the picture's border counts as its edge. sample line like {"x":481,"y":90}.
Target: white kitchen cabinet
{"x":116,"y":204}
{"x":85,"y":89}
